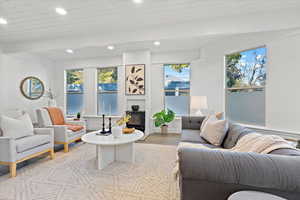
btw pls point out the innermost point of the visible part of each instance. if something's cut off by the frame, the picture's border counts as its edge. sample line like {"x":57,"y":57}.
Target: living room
{"x":180,"y":99}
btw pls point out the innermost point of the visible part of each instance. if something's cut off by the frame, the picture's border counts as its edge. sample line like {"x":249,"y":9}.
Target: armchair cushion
{"x":30,"y":142}
{"x":74,"y":127}
{"x":43,"y":117}
{"x":16,"y":128}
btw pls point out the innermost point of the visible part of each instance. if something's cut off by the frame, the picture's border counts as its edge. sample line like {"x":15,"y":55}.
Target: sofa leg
{"x":66,"y":147}
{"x":13,"y":169}
{"x":52,"y":154}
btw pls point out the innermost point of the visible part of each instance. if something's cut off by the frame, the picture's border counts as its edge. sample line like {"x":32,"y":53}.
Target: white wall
{"x":282,"y":96}
{"x":153,"y":100}
{"x":1,"y":81}
{"x":15,"y":67}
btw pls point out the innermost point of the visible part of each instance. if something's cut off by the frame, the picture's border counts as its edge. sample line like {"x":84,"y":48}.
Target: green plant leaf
{"x":163,"y":117}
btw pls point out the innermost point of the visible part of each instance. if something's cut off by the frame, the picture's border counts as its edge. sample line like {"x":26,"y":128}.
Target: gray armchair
{"x":61,"y":133}
{"x":14,"y":151}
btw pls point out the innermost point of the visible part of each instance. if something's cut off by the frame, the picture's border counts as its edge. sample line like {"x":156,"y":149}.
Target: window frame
{"x":245,"y":88}
{"x":66,"y":90}
{"x":189,"y":92}
{"x":99,"y":91}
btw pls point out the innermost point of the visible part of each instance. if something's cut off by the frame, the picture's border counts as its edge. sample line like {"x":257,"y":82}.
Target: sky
{"x":184,"y":75}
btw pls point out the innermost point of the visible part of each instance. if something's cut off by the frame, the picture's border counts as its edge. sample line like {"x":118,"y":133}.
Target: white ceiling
{"x":102,"y":51}
{"x":91,"y":25}
{"x":31,"y":20}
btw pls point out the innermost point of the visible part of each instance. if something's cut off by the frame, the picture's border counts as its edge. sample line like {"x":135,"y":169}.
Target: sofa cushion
{"x":16,"y":128}
{"x":214,"y":131}
{"x":235,"y":132}
{"x":30,"y":142}
{"x":192,"y":122}
{"x":193,"y":136}
{"x":286,"y":152}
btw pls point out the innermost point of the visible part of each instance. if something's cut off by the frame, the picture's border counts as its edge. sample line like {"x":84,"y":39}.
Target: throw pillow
{"x":214,"y":131}
{"x":16,"y":128}
{"x":210,"y":117}
{"x":220,"y":115}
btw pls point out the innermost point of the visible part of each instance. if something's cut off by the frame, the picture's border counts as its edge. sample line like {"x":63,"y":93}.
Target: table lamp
{"x":198,"y":104}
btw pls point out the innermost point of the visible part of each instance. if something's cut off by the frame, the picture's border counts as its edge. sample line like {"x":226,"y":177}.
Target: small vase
{"x":117,"y":131}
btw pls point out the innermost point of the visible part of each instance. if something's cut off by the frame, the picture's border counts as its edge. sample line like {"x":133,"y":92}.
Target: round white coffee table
{"x":253,"y":195}
{"x":110,"y":149}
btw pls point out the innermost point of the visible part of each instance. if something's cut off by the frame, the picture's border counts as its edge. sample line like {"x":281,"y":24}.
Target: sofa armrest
{"x":45,"y":131}
{"x":251,"y":169}
{"x":7,"y":149}
{"x":60,"y":133}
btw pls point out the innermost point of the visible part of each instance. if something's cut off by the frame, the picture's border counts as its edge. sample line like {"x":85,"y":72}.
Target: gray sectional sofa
{"x":215,"y":175}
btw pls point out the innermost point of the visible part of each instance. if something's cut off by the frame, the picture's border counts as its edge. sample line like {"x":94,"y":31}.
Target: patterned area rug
{"x":73,"y":176}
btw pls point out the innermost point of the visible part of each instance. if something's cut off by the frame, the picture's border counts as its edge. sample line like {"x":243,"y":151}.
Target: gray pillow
{"x":235,"y":132}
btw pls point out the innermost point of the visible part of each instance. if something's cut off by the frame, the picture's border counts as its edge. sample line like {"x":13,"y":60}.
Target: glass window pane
{"x":108,"y":91}
{"x":245,"y":81}
{"x":74,"y":103}
{"x":177,"y":88}
{"x":74,"y":79}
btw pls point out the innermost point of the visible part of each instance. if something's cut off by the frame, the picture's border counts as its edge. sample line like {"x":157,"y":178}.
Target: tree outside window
{"x":245,"y":86}
{"x":177,"y":88}
{"x":108,"y":91}
{"x":74,"y":97}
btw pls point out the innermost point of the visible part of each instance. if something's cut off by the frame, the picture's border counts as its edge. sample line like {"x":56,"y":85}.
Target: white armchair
{"x":62,"y":135}
{"x":13,"y":151}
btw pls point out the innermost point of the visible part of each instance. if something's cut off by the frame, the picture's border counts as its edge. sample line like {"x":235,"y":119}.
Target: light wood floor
{"x":167,"y":139}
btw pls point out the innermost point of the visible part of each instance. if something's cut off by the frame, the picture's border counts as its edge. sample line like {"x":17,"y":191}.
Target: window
{"x":74,"y":79}
{"x":177,"y":88}
{"x":245,"y":86}
{"x":108,"y":91}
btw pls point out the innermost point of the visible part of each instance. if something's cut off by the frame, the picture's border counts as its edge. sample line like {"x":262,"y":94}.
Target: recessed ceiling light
{"x":3,"y":21}
{"x":110,"y":47}
{"x":156,"y":43}
{"x":138,"y":1}
{"x":69,"y":51}
{"x":61,"y":11}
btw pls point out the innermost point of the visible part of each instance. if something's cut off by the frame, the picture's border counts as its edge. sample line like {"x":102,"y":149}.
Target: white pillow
{"x":45,"y":119}
{"x":16,"y":128}
{"x":214,"y":131}
{"x":210,"y":117}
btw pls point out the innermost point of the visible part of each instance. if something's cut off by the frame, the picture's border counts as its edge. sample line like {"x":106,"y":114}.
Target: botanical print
{"x":135,"y":79}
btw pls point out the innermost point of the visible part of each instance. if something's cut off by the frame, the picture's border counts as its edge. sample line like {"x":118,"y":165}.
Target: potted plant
{"x":163,"y":118}
{"x":78,"y":116}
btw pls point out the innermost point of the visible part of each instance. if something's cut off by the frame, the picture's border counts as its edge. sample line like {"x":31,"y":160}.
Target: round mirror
{"x":32,"y":88}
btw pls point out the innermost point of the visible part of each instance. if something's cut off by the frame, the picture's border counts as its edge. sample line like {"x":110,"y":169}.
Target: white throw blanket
{"x":259,"y":143}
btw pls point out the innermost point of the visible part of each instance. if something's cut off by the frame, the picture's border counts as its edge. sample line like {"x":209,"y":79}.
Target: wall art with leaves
{"x":135,"y":79}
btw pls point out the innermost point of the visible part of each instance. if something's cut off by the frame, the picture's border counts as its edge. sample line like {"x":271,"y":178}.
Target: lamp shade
{"x":197,"y":103}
